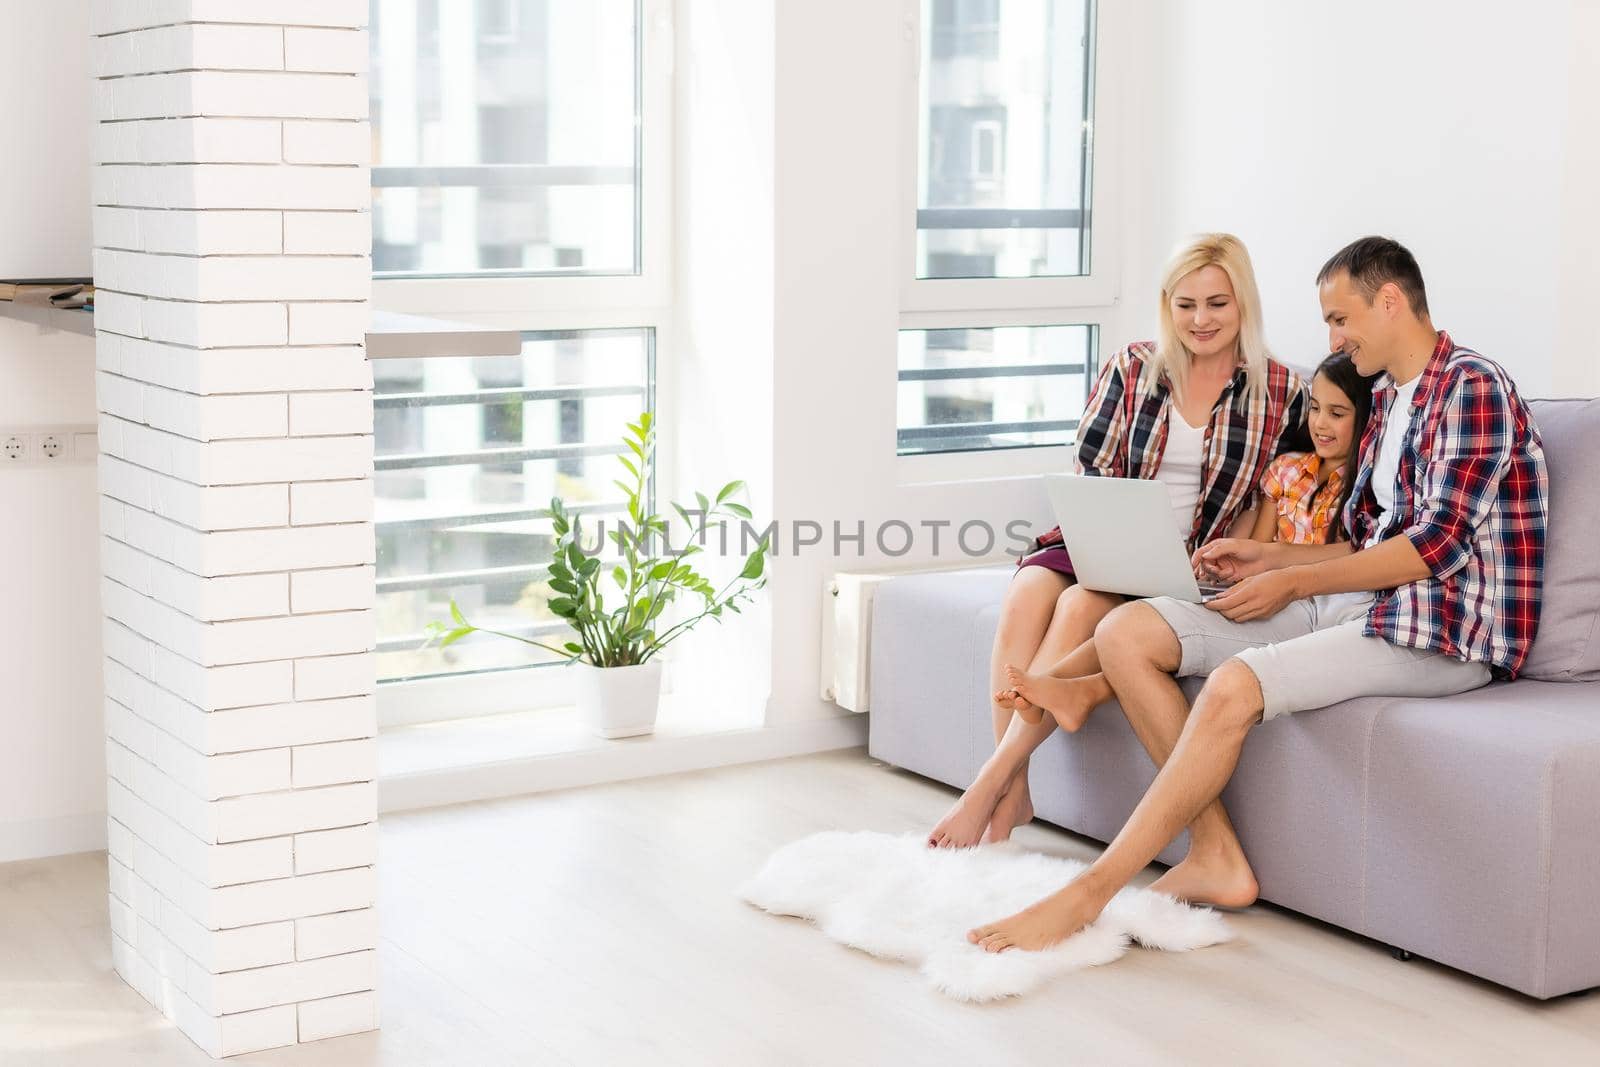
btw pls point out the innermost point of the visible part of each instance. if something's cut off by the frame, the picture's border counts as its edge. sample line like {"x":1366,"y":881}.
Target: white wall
{"x":44,"y":141}
{"x":1577,"y":371}
{"x":1466,"y":132}
{"x":716,"y":374}
{"x":52,"y":764}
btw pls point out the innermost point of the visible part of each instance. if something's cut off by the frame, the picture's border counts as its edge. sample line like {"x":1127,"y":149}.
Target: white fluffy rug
{"x":894,"y":897}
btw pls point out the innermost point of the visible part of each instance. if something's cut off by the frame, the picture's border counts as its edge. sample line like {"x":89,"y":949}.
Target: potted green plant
{"x":616,"y":642}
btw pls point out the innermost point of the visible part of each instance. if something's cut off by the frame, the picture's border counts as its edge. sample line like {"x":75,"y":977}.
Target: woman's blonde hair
{"x":1228,"y":252}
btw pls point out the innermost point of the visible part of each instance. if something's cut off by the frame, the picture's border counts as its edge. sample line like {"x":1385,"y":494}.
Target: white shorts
{"x":1313,"y":654}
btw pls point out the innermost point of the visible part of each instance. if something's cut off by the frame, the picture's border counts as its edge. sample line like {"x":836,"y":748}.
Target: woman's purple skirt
{"x":1054,"y":558}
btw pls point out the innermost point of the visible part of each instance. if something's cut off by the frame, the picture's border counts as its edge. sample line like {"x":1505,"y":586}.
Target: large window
{"x":469,"y":452}
{"x":1008,"y":271}
{"x":506,"y":137}
{"x":521,"y":155}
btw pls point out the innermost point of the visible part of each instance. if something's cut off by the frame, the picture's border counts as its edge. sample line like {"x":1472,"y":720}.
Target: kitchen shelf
{"x":391,"y":335}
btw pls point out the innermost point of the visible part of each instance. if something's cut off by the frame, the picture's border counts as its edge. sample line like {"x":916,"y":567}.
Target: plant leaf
{"x":641,"y":609}
{"x":738,"y":509}
{"x":455,"y":635}
{"x":754,"y":564}
{"x":566,"y":607}
{"x":728,"y":490}
{"x":455,"y":613}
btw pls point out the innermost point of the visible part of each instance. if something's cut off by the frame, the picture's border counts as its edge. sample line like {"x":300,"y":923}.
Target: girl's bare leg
{"x":1069,"y":690}
{"x":999,"y":800}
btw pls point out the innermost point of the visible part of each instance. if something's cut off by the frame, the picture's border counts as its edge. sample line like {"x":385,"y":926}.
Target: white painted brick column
{"x":232,"y":264}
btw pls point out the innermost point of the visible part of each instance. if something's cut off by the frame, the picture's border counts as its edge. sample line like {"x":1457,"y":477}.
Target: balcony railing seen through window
{"x":469,"y":451}
{"x":973,"y":389}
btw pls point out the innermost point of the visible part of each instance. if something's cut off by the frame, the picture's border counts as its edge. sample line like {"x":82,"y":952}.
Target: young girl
{"x":1308,"y":490}
{"x":1305,"y":494}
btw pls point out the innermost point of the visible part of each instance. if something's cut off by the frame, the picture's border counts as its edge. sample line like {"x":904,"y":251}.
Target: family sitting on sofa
{"x":1402,"y":554}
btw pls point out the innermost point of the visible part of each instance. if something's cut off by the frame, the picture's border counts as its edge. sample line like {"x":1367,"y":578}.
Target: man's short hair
{"x":1373,"y":262}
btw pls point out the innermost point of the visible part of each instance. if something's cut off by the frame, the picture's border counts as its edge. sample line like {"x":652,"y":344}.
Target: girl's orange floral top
{"x":1305,"y":512}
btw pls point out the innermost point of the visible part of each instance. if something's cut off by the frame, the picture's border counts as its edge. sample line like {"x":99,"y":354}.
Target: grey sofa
{"x":1465,"y":829}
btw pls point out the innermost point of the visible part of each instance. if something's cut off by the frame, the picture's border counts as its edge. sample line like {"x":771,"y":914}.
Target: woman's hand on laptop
{"x":1230,"y":559}
{"x":1257,"y":597}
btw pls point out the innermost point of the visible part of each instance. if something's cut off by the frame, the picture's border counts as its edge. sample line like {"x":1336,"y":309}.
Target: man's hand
{"x":1230,"y":559}
{"x":1258,"y":597}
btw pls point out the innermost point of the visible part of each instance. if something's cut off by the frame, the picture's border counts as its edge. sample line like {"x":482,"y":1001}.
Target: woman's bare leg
{"x":999,"y":800}
{"x":1078,"y":612}
{"x":1031,"y":603}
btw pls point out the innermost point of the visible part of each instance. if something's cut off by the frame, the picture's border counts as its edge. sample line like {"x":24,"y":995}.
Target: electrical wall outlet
{"x":48,"y":446}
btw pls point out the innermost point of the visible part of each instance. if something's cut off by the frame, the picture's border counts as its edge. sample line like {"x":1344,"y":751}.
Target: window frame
{"x":561,"y":302}
{"x":975,"y":303}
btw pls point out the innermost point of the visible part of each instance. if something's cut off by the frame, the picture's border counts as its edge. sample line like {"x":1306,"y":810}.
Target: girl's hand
{"x":1231,"y":559}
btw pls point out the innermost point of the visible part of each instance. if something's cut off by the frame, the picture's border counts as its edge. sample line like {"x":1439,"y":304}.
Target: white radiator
{"x":847,"y":637}
{"x":847,"y":632}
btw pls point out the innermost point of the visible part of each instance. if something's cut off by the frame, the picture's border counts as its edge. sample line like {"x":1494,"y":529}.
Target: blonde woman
{"x":1203,"y":409}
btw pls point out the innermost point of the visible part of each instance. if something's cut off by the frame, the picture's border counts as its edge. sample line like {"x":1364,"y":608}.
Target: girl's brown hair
{"x":1341,"y":371}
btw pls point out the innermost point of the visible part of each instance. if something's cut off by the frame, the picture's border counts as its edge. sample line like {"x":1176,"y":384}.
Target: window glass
{"x":505,"y":137}
{"x":1004,"y":387}
{"x":1003,"y":151}
{"x":469,"y":452}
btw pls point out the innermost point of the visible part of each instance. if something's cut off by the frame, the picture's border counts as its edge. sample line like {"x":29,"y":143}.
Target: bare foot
{"x":1223,"y":881}
{"x":1010,"y":698}
{"x":963,"y":825}
{"x":1014,"y":809}
{"x":1038,"y":926}
{"x":1070,"y":700}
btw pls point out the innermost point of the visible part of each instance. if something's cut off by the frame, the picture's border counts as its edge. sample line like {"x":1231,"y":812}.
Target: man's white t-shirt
{"x":1181,"y":464}
{"x":1386,"y":468}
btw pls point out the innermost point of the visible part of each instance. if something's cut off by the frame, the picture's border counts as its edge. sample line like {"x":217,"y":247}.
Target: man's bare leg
{"x":1193,"y":777}
{"x":998,"y":801}
{"x":1140,"y":652}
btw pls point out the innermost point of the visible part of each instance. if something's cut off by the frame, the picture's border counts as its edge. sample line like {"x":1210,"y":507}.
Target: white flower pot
{"x":620,"y":701}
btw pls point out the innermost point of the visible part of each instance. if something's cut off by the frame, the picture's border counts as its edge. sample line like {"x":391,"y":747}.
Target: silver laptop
{"x":1120,"y":535}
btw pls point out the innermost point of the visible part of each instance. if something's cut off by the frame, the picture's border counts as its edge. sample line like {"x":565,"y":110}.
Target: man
{"x":1436,"y":592}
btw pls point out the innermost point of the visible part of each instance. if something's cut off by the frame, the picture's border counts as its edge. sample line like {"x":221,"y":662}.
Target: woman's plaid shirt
{"x":1124,"y":433}
{"x":1472,"y":493}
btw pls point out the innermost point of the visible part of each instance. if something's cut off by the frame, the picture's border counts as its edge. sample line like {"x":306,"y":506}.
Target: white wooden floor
{"x":598,"y":926}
